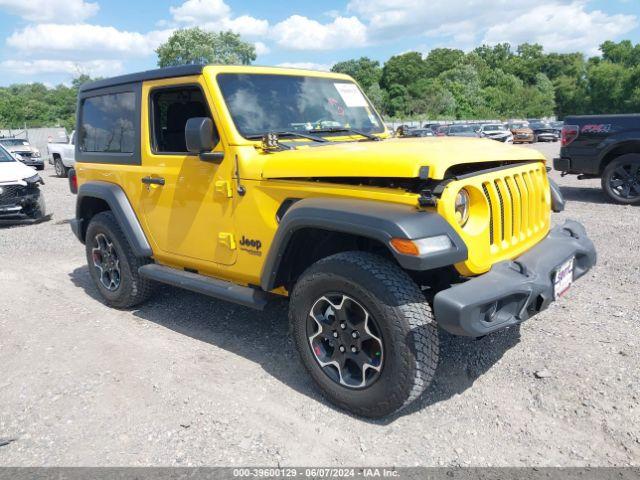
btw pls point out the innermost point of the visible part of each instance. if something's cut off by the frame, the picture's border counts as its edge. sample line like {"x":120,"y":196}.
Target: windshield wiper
{"x":315,"y":138}
{"x":348,"y":130}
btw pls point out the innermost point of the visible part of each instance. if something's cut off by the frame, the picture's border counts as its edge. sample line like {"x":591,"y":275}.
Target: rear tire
{"x":113,"y":265}
{"x":401,"y":321}
{"x":621,"y":179}
{"x":61,"y":170}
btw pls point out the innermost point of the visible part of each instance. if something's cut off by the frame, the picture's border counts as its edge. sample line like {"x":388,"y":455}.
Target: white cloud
{"x":564,"y":28}
{"x":325,"y":67}
{"x":245,"y":25}
{"x":560,"y":25}
{"x":50,"y":10}
{"x":83,"y":39}
{"x":302,"y":33}
{"x":200,"y":11}
{"x":261,"y":48}
{"x":215,"y":15}
{"x":37,"y":67}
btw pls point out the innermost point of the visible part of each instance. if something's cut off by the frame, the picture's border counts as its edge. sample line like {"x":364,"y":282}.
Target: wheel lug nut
{"x":342,"y":349}
{"x":355,"y":334}
{"x":354,"y":350}
{"x":335,"y":334}
{"x":343,"y":325}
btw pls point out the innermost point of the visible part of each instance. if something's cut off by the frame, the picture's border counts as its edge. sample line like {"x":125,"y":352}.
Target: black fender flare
{"x":367,"y":218}
{"x":121,"y":208}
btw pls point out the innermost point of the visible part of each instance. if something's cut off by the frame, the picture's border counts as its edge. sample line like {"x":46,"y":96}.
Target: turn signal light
{"x":421,"y":246}
{"x":405,"y":247}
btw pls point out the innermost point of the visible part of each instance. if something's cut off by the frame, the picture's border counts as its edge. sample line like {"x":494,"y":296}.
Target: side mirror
{"x":199,"y":136}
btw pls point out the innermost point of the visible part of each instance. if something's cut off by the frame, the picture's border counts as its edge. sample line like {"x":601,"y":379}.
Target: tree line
{"x":500,"y":82}
{"x":488,"y":82}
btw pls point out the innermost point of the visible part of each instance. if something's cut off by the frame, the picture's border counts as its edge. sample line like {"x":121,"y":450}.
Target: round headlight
{"x":462,"y":207}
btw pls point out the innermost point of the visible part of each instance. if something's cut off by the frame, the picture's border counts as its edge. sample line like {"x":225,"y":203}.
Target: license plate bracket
{"x":563,"y":278}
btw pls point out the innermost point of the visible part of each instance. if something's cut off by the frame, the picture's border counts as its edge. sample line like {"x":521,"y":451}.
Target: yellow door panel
{"x":185,"y":216}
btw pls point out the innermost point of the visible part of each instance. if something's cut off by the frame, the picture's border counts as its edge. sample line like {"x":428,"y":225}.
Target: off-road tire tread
{"x":411,"y":307}
{"x":141,"y":288}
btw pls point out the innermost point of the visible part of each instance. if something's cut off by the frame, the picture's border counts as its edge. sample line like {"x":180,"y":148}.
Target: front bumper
{"x":514,"y":291}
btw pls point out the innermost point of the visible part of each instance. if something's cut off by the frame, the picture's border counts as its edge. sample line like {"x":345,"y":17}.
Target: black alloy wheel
{"x":106,"y":262}
{"x":621,"y":179}
{"x":345,"y":341}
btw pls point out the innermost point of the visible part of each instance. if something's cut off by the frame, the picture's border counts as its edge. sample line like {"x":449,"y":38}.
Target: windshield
{"x":461,"y":129}
{"x":5,"y":156}
{"x":261,"y":103}
{"x":519,"y":125}
{"x":493,"y":127}
{"x":12,"y":142}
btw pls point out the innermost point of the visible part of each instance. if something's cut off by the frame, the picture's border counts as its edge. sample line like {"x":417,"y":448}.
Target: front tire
{"x":364,"y":332}
{"x":621,"y":179}
{"x":113,"y":265}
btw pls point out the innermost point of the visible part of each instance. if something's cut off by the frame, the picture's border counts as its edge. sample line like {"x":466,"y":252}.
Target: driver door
{"x":187,"y":203}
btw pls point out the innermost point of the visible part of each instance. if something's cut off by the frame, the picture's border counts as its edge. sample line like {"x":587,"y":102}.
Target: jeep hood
{"x":396,"y":157}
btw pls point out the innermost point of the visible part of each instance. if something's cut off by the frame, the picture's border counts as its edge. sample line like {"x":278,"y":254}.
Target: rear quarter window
{"x":108,"y":123}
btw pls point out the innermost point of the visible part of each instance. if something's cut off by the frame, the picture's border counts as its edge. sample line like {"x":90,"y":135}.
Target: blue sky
{"x":52,"y":41}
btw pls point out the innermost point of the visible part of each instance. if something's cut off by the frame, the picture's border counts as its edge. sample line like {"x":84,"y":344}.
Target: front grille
{"x":10,"y":193}
{"x":516,"y":206}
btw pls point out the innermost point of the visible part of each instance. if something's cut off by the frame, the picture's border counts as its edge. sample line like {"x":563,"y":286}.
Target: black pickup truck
{"x":606,"y":147}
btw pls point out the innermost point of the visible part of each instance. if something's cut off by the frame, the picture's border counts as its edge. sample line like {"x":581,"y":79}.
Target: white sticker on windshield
{"x":351,"y":94}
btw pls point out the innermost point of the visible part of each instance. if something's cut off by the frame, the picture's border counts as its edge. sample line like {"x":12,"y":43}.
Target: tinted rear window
{"x":108,"y":123}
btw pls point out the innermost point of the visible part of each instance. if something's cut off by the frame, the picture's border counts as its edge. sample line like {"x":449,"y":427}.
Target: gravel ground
{"x":187,"y":380}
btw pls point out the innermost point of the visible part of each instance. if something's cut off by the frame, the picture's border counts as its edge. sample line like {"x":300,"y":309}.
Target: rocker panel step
{"x":212,"y":287}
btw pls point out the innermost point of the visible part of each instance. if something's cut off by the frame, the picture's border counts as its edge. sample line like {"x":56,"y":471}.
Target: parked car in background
{"x":521,"y":132}
{"x":62,"y":155}
{"x":606,"y":147}
{"x":22,"y":151}
{"x":558,"y":127}
{"x":20,"y":195}
{"x":432,"y":126}
{"x":496,"y":131}
{"x":442,"y":130}
{"x":462,"y":130}
{"x":544,"y":132}
{"x":416,"y":132}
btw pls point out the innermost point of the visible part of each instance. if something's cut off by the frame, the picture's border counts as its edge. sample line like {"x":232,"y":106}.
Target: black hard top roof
{"x":158,"y":73}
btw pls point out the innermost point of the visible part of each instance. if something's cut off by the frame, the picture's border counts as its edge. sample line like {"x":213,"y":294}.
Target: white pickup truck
{"x":62,"y":155}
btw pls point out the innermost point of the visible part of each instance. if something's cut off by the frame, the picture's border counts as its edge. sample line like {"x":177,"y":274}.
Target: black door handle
{"x":153,"y":180}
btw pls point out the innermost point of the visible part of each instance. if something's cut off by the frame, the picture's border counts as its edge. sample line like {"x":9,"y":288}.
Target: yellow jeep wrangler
{"x":244,"y":183}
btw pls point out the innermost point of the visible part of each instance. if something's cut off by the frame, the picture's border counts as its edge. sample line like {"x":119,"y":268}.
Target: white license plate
{"x":563,"y":278}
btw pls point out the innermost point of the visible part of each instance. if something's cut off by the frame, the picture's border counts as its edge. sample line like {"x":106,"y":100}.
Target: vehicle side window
{"x":107,"y":123}
{"x":170,"y":110}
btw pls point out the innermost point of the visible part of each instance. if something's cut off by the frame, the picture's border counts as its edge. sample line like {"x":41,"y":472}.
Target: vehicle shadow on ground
{"x":263,"y":338}
{"x":585,"y":195}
